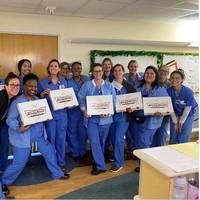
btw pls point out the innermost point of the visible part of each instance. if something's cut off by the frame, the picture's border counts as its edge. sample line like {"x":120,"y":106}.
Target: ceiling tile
{"x":119,"y":1}
{"x":63,"y":6}
{"x":186,"y":5}
{"x":159,"y":3}
{"x":149,"y":13}
{"x":19,"y":4}
{"x":98,"y":9}
{"x":150,"y":10}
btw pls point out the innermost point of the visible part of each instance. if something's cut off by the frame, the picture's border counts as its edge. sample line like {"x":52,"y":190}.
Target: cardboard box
{"x":131,"y":100}
{"x":100,"y":105}
{"x":157,"y":104}
{"x":32,"y":112}
{"x":63,"y":98}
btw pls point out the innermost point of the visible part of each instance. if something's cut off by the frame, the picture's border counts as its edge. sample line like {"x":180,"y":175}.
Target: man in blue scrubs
{"x":160,"y":137}
{"x":77,"y":134}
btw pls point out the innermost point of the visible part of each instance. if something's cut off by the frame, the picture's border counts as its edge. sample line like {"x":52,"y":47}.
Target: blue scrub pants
{"x":21,"y":155}
{"x":130,"y":134}
{"x":118,"y":130}
{"x":108,"y":140}
{"x":4,"y":146}
{"x":56,"y":134}
{"x":97,"y":135}
{"x":143,"y":136}
{"x":160,"y":136}
{"x":1,"y":193}
{"x":77,"y":136}
{"x":184,"y":136}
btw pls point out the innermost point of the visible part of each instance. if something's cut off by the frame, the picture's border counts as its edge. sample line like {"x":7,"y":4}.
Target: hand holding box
{"x":32,"y":112}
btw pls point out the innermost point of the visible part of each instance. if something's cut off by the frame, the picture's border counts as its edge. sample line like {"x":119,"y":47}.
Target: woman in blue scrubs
{"x":144,"y":127}
{"x":21,"y":137}
{"x":134,"y":78}
{"x":184,"y":105}
{"x":97,"y":126}
{"x":6,"y":95}
{"x":77,"y":135}
{"x":120,"y":120}
{"x":57,"y":127}
{"x":24,"y":67}
{"x":107,"y":69}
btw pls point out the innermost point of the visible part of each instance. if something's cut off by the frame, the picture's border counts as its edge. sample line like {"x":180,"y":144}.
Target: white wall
{"x":68,"y":28}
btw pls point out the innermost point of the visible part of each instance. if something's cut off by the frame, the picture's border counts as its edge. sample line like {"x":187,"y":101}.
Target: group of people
{"x":75,"y":126}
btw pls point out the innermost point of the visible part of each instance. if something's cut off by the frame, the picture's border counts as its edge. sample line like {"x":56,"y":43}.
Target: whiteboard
{"x":143,"y":61}
{"x":190,"y":65}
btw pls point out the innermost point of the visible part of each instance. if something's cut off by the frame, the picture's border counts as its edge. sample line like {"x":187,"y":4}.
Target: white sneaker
{"x":115,"y":169}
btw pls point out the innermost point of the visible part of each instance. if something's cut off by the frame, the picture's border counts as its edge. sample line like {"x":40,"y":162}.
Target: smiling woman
{"x":6,"y":96}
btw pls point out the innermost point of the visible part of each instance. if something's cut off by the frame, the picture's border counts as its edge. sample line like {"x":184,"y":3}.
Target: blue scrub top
{"x":109,"y":78}
{"x":76,"y":86}
{"x":136,"y":82}
{"x":47,"y":84}
{"x":151,"y":122}
{"x":21,"y":85}
{"x":16,"y":137}
{"x":89,"y":89}
{"x":184,"y":98}
{"x":121,"y":116}
{"x":2,"y":82}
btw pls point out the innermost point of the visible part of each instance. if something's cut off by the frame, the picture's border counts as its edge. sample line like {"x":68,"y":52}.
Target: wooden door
{"x":39,"y":49}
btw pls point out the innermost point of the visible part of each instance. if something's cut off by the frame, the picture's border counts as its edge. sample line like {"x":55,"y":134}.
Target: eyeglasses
{"x":65,"y":68}
{"x":14,"y":85}
{"x":164,"y":71}
{"x":99,"y":71}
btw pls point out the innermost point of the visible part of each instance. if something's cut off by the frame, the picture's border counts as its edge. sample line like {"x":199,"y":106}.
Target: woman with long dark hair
{"x":184,"y":105}
{"x":144,"y":127}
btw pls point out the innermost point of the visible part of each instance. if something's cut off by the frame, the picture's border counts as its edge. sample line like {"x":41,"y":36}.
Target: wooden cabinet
{"x":156,"y":174}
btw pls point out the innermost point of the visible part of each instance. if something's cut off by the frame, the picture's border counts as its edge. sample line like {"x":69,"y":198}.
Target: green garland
{"x":159,"y":55}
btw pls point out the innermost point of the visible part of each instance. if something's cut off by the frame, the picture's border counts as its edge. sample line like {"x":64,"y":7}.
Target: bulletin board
{"x":189,"y":62}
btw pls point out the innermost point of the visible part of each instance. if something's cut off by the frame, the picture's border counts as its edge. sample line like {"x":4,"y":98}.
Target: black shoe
{"x":97,"y":171}
{"x":65,"y":177}
{"x":94,"y":166}
{"x":10,"y":197}
{"x":76,"y":158}
{"x":82,"y":157}
{"x":30,"y":164}
{"x":5,"y":190}
{"x":63,"y":168}
{"x":137,"y":169}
